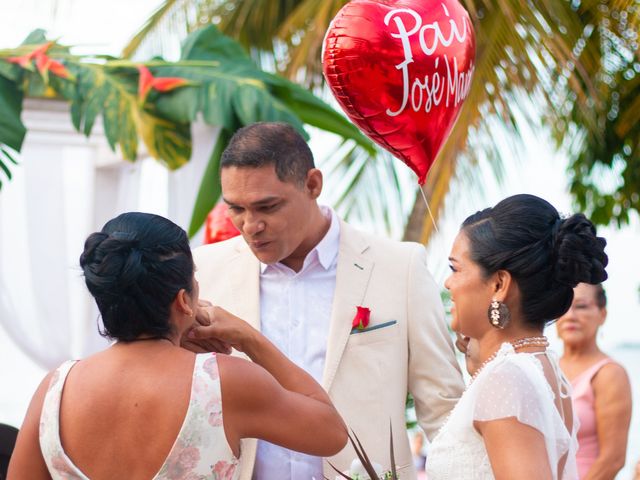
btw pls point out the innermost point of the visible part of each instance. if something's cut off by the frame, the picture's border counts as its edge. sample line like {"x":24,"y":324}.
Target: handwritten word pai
{"x":429,"y":93}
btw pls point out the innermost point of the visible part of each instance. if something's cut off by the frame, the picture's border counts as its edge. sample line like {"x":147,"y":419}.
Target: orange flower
{"x":161,"y":84}
{"x":25,"y":60}
{"x":44,"y":63}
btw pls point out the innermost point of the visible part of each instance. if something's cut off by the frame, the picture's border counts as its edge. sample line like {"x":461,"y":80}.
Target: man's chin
{"x":267,"y":258}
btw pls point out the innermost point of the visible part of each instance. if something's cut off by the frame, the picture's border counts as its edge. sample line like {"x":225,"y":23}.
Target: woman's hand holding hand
{"x":204,"y":344}
{"x":215,"y":324}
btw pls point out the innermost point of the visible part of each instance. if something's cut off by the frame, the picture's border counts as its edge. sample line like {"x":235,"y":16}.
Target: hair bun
{"x":112,"y":263}
{"x":578,"y":252}
{"x":91,"y":244}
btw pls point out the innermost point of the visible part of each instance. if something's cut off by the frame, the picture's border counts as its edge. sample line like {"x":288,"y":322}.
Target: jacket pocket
{"x":375,"y":333}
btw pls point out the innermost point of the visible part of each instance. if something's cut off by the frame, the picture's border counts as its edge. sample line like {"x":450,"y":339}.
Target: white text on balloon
{"x":429,"y":93}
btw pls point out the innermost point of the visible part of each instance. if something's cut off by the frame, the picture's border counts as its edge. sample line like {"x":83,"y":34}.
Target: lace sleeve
{"x":509,"y":390}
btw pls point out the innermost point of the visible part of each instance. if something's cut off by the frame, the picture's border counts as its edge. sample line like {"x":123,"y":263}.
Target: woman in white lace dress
{"x":514,"y":267}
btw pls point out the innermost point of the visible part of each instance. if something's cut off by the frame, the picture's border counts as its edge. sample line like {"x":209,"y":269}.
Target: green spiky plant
{"x":366,"y":461}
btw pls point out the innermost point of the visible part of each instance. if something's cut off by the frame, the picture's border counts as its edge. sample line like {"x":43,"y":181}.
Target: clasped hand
{"x":215,"y":330}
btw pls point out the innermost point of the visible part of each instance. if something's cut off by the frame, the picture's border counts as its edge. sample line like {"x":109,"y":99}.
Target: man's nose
{"x":253,"y":225}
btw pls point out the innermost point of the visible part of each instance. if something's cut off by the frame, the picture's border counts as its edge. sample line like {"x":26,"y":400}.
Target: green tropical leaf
{"x":209,"y":43}
{"x":101,"y":91}
{"x":166,"y":141}
{"x":210,"y":189}
{"x":253,"y":104}
{"x":10,"y":71}
{"x":37,"y":37}
{"x":216,"y":100}
{"x":12,"y":130}
{"x":314,"y":111}
{"x":5,"y":159}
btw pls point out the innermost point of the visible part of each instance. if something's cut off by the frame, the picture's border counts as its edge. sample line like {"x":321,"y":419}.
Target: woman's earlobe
{"x":503,"y":282}
{"x":183,"y":302}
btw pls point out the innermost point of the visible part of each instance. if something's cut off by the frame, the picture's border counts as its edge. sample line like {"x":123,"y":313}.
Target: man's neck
{"x":321,"y":225}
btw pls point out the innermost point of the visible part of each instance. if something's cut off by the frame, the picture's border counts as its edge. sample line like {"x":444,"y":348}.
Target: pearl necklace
{"x":540,"y":341}
{"x":521,"y":343}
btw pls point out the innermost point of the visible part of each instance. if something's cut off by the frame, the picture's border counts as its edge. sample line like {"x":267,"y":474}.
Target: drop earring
{"x":499,"y":315}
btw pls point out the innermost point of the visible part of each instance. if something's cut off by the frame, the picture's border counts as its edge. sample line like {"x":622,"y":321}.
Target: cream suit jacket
{"x":369,"y":373}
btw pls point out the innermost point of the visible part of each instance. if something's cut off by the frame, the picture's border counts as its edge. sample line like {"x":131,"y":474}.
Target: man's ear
{"x":313,"y":183}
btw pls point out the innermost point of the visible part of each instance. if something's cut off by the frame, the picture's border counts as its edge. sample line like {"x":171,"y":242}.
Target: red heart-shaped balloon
{"x":401,"y":70}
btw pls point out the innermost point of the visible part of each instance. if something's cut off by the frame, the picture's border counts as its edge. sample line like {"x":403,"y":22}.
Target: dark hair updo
{"x":134,"y":268}
{"x":546,"y":255}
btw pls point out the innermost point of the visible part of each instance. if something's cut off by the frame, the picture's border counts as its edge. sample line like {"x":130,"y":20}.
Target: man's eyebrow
{"x":257,"y":203}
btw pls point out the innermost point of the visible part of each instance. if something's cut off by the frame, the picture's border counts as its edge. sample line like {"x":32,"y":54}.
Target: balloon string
{"x":433,"y":220}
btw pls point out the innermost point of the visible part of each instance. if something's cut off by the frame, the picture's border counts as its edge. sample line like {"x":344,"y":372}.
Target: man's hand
{"x":469,"y":347}
{"x":203,"y":345}
{"x":223,"y":327}
{"x":462,"y":343}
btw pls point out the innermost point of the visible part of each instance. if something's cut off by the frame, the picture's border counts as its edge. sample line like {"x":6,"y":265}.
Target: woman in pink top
{"x":601,"y":390}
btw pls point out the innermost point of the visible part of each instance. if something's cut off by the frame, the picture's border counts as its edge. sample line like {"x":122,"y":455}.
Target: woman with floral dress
{"x":145,"y":408}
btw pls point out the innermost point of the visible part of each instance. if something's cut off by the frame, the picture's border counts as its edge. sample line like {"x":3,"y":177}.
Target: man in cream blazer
{"x":367,"y":371}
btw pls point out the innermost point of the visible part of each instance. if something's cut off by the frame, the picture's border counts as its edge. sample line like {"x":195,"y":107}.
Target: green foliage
{"x":210,"y":188}
{"x":214,"y":78}
{"x":7,"y":160}
{"x":574,"y":63}
{"x":605,"y":167}
{"x":12,"y":131}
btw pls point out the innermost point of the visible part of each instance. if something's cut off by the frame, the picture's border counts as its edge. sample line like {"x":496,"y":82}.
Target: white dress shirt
{"x":295,"y":311}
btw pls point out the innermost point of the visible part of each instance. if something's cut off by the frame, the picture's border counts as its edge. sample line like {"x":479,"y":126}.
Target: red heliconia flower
{"x":161,"y":84}
{"x":219,"y":226}
{"x":25,"y":60}
{"x":361,"y":320}
{"x":44,"y":63}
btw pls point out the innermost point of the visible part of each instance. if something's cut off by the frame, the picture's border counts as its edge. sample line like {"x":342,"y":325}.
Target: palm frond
{"x":7,"y":160}
{"x":165,"y":10}
{"x":574,"y":61}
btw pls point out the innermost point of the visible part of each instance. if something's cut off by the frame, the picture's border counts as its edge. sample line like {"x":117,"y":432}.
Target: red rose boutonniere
{"x":361,"y":320}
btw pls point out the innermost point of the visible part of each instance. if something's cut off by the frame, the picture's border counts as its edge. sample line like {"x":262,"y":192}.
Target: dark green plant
{"x":367,"y":463}
{"x":156,"y":101}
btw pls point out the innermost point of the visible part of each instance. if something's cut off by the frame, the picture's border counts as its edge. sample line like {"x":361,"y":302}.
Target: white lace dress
{"x":511,"y":385}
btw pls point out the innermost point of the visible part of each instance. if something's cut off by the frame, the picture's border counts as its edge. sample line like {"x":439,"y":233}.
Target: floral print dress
{"x":200,"y":452}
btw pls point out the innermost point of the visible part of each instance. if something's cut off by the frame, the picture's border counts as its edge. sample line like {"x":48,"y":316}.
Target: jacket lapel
{"x":352,"y":278}
{"x":245,"y":288}
{"x":244,"y":292}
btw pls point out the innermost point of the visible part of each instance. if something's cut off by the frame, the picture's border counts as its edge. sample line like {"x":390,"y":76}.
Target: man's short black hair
{"x":267,"y":143}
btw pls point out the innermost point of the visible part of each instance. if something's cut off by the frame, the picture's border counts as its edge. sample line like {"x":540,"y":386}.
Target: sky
{"x":105,"y":27}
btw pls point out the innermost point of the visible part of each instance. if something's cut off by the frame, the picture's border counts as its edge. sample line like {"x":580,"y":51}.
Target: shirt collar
{"x":326,"y":251}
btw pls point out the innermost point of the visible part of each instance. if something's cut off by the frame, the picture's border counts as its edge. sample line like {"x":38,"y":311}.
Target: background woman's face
{"x":470,"y":291}
{"x":581,"y":322}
